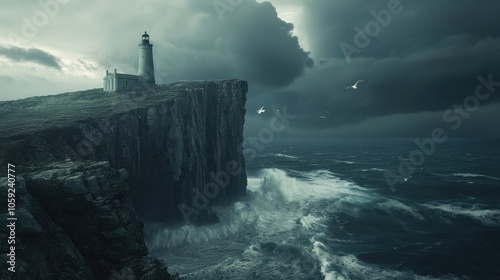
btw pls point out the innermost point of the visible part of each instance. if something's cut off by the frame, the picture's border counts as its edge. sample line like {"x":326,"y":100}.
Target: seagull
{"x":261,"y":110}
{"x":355,"y":86}
{"x":406,"y":179}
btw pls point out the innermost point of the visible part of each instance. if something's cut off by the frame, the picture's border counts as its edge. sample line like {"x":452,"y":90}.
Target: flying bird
{"x":406,"y":179}
{"x":322,"y":117}
{"x":355,"y":86}
{"x":261,"y":110}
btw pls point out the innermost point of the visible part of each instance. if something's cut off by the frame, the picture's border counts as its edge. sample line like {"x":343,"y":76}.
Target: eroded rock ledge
{"x":75,"y":220}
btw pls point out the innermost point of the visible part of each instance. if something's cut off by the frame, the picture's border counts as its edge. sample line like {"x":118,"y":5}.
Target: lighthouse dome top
{"x":145,"y":37}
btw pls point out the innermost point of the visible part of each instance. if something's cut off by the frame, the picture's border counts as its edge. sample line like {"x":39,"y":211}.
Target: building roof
{"x":127,"y":76}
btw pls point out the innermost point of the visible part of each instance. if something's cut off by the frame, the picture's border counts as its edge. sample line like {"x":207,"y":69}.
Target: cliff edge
{"x":180,"y":143}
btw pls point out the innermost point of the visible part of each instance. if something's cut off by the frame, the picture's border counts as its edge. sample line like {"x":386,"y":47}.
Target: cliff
{"x":180,"y":143}
{"x":75,"y":220}
{"x":91,"y":165}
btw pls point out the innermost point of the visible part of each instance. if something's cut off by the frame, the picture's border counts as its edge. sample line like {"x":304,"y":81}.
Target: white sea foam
{"x":472,"y":175}
{"x":343,"y":267}
{"x":391,"y":206}
{"x":467,"y":175}
{"x":312,"y":222}
{"x":160,"y":236}
{"x":326,"y":260}
{"x":276,"y":207}
{"x":279,"y":206}
{"x":315,"y":185}
{"x":252,"y":252}
{"x":485,"y":216}
{"x":345,"y":161}
{"x":373,"y":169}
{"x":285,"y":156}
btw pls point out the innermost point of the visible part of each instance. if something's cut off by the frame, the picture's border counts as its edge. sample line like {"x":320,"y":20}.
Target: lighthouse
{"x":115,"y":82}
{"x":146,"y":70}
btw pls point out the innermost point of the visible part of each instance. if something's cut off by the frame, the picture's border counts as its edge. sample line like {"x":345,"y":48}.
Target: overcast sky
{"x":418,"y":58}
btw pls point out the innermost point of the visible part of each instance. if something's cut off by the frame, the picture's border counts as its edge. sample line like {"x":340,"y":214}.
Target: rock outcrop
{"x":75,"y":220}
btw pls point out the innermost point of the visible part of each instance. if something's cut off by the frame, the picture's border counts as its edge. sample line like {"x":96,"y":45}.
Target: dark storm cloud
{"x":194,"y":40}
{"x":426,"y":59}
{"x":30,"y":55}
{"x":422,"y":124}
{"x":263,"y":45}
{"x":420,"y":24}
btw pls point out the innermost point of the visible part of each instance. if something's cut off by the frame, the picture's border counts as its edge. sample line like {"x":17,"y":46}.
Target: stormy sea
{"x":323,"y":209}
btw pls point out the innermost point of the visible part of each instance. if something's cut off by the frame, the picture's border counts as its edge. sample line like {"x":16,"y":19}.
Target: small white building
{"x":145,"y":77}
{"x":120,"y":82}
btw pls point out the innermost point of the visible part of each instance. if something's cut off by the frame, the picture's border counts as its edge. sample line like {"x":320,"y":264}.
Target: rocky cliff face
{"x":75,"y":220}
{"x":180,"y":143}
{"x":89,"y":162}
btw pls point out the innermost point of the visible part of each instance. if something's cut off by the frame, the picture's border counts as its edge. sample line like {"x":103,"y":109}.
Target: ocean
{"x":323,"y":209}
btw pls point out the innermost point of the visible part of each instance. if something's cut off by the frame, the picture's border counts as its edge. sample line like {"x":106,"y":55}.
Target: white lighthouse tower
{"x":115,"y":82}
{"x":146,"y":70}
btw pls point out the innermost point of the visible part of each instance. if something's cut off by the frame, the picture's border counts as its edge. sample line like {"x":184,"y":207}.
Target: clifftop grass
{"x":27,"y":116}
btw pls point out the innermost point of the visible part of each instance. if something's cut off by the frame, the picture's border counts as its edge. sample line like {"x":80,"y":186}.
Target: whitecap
{"x":312,"y":222}
{"x":392,"y":206}
{"x":345,"y":161}
{"x":285,"y":156}
{"x":342,"y":267}
{"x":472,"y":175}
{"x":485,"y":216}
{"x":373,"y":169}
{"x":276,"y":206}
